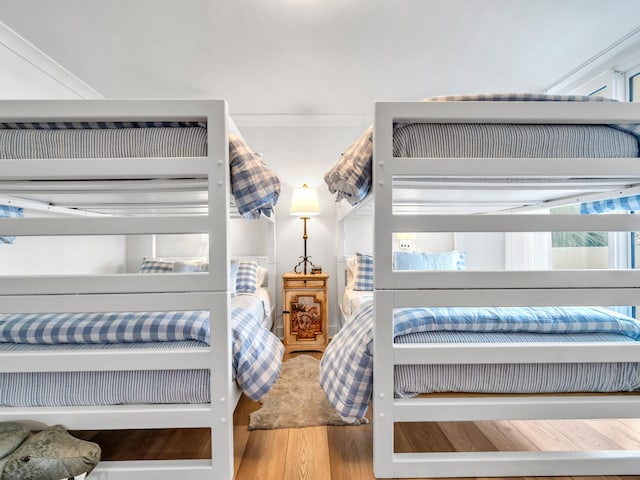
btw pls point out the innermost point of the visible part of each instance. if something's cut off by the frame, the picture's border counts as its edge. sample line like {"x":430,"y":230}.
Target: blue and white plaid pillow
{"x":364,"y":272}
{"x":154,"y":265}
{"x":247,"y":277}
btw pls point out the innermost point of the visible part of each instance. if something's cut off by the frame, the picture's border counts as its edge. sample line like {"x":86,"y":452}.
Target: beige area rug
{"x":296,"y":400}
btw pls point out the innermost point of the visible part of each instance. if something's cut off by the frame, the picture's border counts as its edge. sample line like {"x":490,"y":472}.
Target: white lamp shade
{"x":304,"y":202}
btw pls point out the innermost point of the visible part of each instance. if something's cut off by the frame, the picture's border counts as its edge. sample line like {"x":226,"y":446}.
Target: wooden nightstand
{"x":305,"y":311}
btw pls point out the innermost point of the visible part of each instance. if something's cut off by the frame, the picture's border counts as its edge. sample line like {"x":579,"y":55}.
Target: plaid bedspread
{"x":257,"y":353}
{"x":350,"y":177}
{"x":346,"y":369}
{"x":254,"y":185}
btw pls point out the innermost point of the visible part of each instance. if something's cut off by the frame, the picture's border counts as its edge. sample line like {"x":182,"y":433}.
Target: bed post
{"x":383,"y":416}
{"x":222,"y":402}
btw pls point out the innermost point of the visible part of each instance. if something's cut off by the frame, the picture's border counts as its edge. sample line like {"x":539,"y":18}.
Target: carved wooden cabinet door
{"x":305,"y":311}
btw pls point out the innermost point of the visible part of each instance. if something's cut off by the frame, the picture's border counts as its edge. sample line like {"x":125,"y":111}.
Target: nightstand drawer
{"x":305,"y":283}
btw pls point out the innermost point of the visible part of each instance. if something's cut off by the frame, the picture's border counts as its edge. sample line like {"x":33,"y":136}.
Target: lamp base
{"x":302,"y":264}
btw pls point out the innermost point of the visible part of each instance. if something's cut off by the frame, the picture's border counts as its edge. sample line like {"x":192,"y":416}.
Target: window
{"x":578,"y":250}
{"x":603,"y":91}
{"x":634,"y":87}
{"x":616,"y":77}
{"x":608,"y":83}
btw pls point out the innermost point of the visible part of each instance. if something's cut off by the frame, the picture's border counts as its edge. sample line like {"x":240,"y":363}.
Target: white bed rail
{"x":122,"y":292}
{"x":395,"y":289}
{"x":154,"y":470}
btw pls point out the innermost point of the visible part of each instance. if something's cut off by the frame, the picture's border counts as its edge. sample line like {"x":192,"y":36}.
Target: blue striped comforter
{"x":346,"y":369}
{"x":257,"y":353}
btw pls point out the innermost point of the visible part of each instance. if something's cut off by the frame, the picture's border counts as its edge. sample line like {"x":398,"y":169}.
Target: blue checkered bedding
{"x":350,"y":177}
{"x":347,"y":364}
{"x":119,"y":327}
{"x":254,"y":185}
{"x":257,"y":353}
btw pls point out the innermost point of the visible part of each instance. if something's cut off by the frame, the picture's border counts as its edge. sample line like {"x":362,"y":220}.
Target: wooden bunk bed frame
{"x":395,"y":289}
{"x":132,"y":292}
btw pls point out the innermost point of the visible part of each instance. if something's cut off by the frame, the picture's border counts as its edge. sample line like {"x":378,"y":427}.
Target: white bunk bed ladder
{"x":496,"y":288}
{"x":133,"y":292}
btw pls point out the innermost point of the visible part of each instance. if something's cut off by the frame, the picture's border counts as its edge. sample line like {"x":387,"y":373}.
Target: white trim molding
{"x":615,"y":58}
{"x":39,"y":60}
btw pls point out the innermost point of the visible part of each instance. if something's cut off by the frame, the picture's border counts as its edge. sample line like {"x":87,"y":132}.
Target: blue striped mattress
{"x":256,"y":365}
{"x":255,"y":186}
{"x":350,"y":177}
{"x":56,"y":389}
{"x":515,"y":378}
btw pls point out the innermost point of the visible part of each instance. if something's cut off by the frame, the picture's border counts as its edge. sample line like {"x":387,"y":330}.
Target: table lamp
{"x":304,"y":204}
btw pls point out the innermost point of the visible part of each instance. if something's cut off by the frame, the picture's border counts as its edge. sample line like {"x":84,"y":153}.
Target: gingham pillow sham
{"x":364,"y":272}
{"x":247,"y":277}
{"x":155,"y":265}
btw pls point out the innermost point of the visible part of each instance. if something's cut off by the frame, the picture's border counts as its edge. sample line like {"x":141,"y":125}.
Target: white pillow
{"x":352,"y":266}
{"x":164,"y":265}
{"x":188,"y":267}
{"x":261,"y":276}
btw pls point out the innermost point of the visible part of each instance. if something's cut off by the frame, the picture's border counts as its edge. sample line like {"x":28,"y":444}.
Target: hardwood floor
{"x":339,"y":453}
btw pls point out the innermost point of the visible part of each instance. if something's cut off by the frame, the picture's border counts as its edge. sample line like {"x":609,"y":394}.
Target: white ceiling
{"x":318,"y":56}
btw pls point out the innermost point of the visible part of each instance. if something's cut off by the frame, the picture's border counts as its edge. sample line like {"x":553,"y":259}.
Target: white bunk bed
{"x":156,"y":193}
{"x":487,"y":194}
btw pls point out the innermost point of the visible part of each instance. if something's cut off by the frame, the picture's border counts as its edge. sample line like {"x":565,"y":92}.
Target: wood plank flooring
{"x":338,"y":453}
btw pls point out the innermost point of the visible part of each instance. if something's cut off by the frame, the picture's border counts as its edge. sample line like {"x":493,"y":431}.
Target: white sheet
{"x":263,"y":295}
{"x":352,"y":300}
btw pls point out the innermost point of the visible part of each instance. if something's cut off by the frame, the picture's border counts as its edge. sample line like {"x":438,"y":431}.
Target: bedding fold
{"x":257,"y":353}
{"x":254,"y":185}
{"x":350,"y":177}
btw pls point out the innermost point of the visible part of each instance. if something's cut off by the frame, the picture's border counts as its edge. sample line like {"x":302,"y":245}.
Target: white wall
{"x":484,"y":250}
{"x":19,"y":79}
{"x":358,"y":234}
{"x":27,"y":73}
{"x":63,"y":255}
